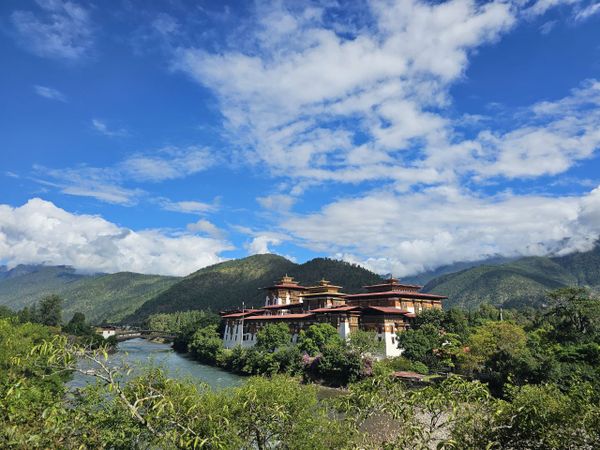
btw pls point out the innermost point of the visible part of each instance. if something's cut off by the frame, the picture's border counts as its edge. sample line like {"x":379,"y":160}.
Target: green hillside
{"x":100,"y":297}
{"x":110,"y":298}
{"x":25,"y":285}
{"x":227,"y":284}
{"x":523,"y":282}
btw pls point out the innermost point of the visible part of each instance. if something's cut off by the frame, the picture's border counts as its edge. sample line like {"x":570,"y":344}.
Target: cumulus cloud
{"x":409,"y":233}
{"x":41,"y":233}
{"x":204,"y":226}
{"x":305,"y":92}
{"x":49,"y":93}
{"x":260,"y":244}
{"x":59,"y":30}
{"x":321,"y":100}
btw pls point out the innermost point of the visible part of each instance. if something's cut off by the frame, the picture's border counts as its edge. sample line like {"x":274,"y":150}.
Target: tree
{"x":316,"y":337}
{"x":206,"y":344}
{"x":365,"y":342}
{"x":50,"y":310}
{"x":273,"y":336}
{"x":77,"y":325}
{"x":338,"y":365}
{"x":281,"y":413}
{"x":575,"y":315}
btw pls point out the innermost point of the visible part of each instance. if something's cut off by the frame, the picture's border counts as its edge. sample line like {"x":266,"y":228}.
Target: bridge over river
{"x":125,"y":334}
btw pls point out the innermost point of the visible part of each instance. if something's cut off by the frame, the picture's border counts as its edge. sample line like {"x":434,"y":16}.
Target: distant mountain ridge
{"x":131,"y":297}
{"x":521,"y":282}
{"x":101,"y":297}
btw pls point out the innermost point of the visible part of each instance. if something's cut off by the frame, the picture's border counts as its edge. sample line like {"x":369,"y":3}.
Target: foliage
{"x":316,"y":337}
{"x":206,"y":344}
{"x":50,"y":311}
{"x":339,"y":365}
{"x":399,"y":364}
{"x":183,"y":324}
{"x":273,"y":336}
{"x":365,"y":343}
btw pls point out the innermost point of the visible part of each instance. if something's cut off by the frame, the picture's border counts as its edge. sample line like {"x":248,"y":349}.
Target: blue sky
{"x":161,"y":137}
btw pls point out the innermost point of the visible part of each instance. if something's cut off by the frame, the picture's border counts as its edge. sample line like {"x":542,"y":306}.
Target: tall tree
{"x":50,"y":310}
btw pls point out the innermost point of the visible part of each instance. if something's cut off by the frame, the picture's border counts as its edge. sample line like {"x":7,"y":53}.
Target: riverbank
{"x":139,"y":353}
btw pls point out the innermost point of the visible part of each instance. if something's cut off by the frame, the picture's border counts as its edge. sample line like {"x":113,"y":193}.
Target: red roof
{"x":241,"y":314}
{"x":394,"y":284}
{"x":286,"y":286}
{"x":282,"y":317}
{"x":397,"y":294}
{"x":336,"y":309}
{"x":389,"y":310}
{"x":291,"y":305}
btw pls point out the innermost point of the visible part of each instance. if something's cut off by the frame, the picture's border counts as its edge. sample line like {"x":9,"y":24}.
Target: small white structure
{"x":106,"y":332}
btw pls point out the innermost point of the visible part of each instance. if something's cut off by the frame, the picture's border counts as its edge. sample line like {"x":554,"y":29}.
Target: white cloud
{"x":321,"y":100}
{"x":102,"y":127}
{"x":409,"y":233}
{"x":108,"y":183}
{"x":189,"y":206}
{"x":40,"y":232}
{"x":61,"y":30}
{"x":167,"y":164}
{"x":301,"y":96}
{"x":204,"y":226}
{"x":277,"y":202}
{"x":49,"y":93}
{"x":98,"y":183}
{"x":260,"y":244}
{"x":588,"y":11}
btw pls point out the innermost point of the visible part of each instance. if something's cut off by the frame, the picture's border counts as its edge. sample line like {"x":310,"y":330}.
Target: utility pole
{"x":501,"y":316}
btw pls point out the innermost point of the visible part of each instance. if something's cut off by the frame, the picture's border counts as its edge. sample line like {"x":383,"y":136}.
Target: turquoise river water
{"x":138,"y":353}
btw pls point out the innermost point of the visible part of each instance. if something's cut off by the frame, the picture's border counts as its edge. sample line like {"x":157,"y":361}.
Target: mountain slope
{"x":25,"y":285}
{"x":227,"y":284}
{"x":523,"y":282}
{"x":110,"y":298}
{"x":100,"y":297}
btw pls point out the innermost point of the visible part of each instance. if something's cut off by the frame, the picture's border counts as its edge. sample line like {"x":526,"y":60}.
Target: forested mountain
{"x":101,"y":297}
{"x":523,"y":282}
{"x":110,"y":298}
{"x":26,"y":284}
{"x":227,"y":284}
{"x":425,"y":277}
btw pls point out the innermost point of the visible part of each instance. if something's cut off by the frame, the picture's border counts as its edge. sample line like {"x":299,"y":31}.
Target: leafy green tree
{"x":338,"y":365}
{"x":5,"y":312}
{"x":281,"y":413}
{"x":424,"y":345}
{"x":77,"y":325}
{"x":206,"y":344}
{"x":316,"y":337}
{"x":25,"y":315}
{"x":365,"y":342}
{"x":272,"y":336}
{"x":50,"y":310}
{"x":575,"y":315}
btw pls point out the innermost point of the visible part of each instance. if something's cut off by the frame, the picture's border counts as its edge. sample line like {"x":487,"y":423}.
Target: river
{"x":138,"y":353}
